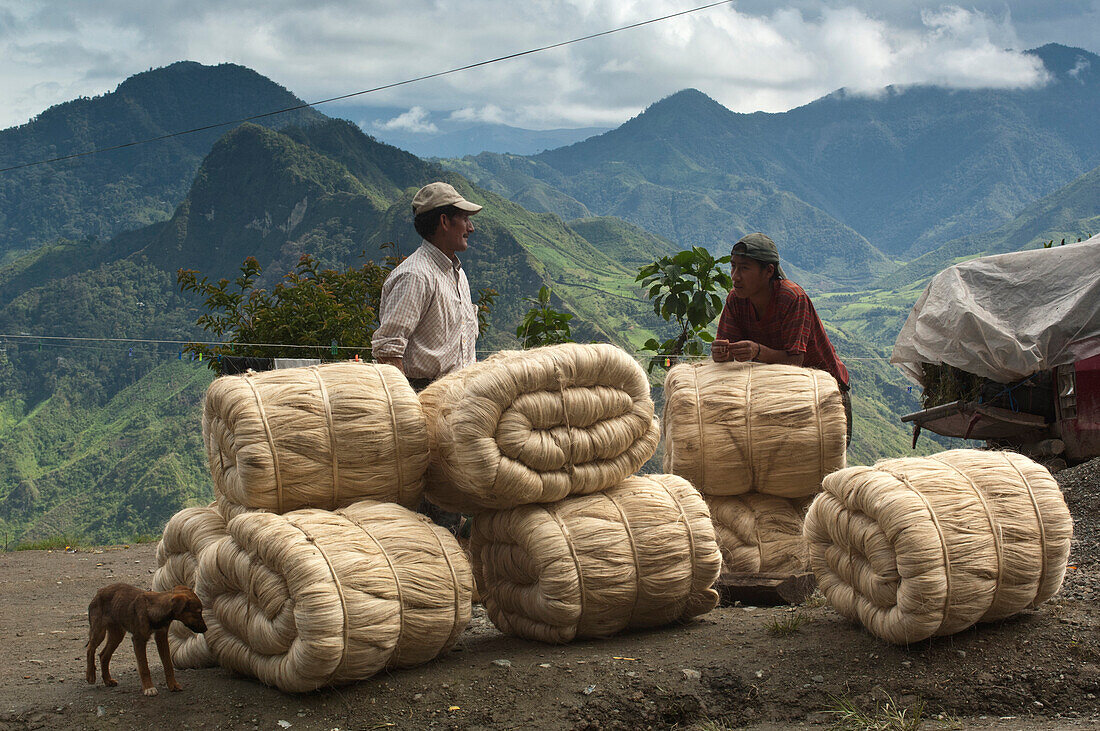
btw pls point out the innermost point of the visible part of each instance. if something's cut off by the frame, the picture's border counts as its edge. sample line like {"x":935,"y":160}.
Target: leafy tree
{"x":310,"y":307}
{"x":689,"y":289}
{"x":486,"y":298}
{"x":544,"y":325}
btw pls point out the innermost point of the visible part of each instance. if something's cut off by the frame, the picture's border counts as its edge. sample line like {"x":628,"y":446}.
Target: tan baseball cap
{"x":437,"y":195}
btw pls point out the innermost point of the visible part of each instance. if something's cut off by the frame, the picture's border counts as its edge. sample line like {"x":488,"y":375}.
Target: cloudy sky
{"x":749,"y":54}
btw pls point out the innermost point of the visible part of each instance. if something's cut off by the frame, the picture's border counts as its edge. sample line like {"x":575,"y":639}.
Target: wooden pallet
{"x":764,"y":590}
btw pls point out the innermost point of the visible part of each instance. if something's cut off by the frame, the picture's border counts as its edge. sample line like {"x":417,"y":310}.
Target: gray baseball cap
{"x":759,"y":247}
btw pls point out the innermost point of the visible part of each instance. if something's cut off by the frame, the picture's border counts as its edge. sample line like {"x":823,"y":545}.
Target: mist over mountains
{"x":903,"y":172}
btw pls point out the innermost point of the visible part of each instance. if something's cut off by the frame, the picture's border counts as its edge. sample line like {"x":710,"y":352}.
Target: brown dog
{"x":121,"y":608}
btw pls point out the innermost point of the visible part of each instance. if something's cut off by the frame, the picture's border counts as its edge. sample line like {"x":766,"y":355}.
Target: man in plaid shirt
{"x":427,"y":320}
{"x":770,"y":319}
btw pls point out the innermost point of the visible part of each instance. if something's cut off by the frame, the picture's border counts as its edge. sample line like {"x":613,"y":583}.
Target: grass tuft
{"x":785,"y":625}
{"x":885,"y":716}
{"x":54,"y":543}
{"x":815,"y":600}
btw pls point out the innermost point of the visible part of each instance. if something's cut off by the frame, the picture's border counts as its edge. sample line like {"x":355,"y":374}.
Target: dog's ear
{"x":169,"y":607}
{"x":179,"y":601}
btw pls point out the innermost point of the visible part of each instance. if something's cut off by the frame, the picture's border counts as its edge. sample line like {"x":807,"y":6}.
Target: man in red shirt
{"x":770,"y":319}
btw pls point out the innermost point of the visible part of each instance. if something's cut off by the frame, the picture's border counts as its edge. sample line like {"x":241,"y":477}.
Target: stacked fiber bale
{"x":756,"y":440}
{"x":314,"y":598}
{"x":321,"y":436}
{"x":189,"y":532}
{"x":640,"y":554}
{"x":325,"y":437}
{"x":733,"y":428}
{"x":539,"y":446}
{"x":917,"y":547}
{"x":760,"y":533}
{"x":536,"y":426}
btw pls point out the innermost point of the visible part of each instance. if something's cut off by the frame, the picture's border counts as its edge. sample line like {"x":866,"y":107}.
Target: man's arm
{"x":795,"y":323}
{"x":727,"y":331}
{"x":751,"y":350}
{"x":400,"y":310}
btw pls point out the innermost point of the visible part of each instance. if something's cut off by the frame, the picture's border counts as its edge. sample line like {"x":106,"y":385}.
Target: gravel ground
{"x":1039,"y":669}
{"x":1081,"y":486}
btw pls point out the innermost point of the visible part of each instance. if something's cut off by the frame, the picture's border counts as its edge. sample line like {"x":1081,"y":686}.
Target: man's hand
{"x":396,"y":362}
{"x":719,"y":351}
{"x":743,"y":350}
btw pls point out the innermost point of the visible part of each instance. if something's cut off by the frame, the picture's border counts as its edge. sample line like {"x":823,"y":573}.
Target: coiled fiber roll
{"x":759,"y":533}
{"x":315,"y":598}
{"x":731,"y":428}
{"x":919,"y":547}
{"x":640,"y":554}
{"x":536,"y":426}
{"x":187,"y":534}
{"x":321,"y":436}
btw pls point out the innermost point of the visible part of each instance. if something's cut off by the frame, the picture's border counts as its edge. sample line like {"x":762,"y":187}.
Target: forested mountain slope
{"x":100,"y":195}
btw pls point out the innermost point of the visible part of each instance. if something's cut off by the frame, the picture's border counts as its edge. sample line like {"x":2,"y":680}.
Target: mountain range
{"x":847,"y":184}
{"x":100,"y":438}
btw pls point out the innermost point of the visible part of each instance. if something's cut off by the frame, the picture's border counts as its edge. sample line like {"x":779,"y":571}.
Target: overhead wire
{"x":393,"y":85}
{"x":305,"y":105}
{"x":61,"y":340}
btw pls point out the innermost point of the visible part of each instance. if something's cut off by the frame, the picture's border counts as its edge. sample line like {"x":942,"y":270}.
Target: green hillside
{"x":101,"y":195}
{"x":102,"y":440}
{"x":1069,"y":213}
{"x":99,"y":438}
{"x":691,"y":207}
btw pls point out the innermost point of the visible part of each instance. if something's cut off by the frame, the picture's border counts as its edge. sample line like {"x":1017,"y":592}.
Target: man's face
{"x":453,"y":233}
{"x":750,"y":277}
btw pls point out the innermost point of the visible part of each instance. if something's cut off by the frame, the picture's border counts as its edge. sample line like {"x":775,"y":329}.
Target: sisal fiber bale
{"x":731,"y":428}
{"x":315,"y":598}
{"x":640,"y":554}
{"x":320,"y":436}
{"x":187,"y":534}
{"x":918,"y":547}
{"x":759,"y":533}
{"x":536,"y":426}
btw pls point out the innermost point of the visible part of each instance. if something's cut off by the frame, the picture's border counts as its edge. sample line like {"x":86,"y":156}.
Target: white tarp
{"x":1005,"y":317}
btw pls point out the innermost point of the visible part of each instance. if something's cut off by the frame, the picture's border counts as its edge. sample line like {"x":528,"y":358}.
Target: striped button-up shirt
{"x":426,"y":316}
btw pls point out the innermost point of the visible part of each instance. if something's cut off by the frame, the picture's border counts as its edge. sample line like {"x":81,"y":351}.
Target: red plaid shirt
{"x":790,"y":324}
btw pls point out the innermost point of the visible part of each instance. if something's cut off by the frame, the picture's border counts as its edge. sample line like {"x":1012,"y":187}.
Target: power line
{"x":59,"y":340}
{"x":395,"y":84}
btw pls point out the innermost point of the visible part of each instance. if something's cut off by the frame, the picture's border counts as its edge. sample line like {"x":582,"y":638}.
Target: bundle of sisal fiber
{"x":640,"y":554}
{"x":732,"y":428}
{"x":187,"y":534}
{"x":315,"y":598}
{"x":321,"y":436}
{"x":759,"y":533}
{"x":928,"y":546}
{"x":536,"y":426}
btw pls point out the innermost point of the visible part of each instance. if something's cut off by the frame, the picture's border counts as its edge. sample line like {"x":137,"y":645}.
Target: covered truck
{"x":1025,"y":329}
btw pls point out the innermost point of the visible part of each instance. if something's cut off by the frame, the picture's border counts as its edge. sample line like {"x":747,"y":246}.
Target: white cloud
{"x":1082,"y":65}
{"x":752,"y":55}
{"x":414,"y":120}
{"x":489,"y":113}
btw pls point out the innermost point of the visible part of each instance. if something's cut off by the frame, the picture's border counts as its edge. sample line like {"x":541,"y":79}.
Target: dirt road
{"x":1037,"y":670}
